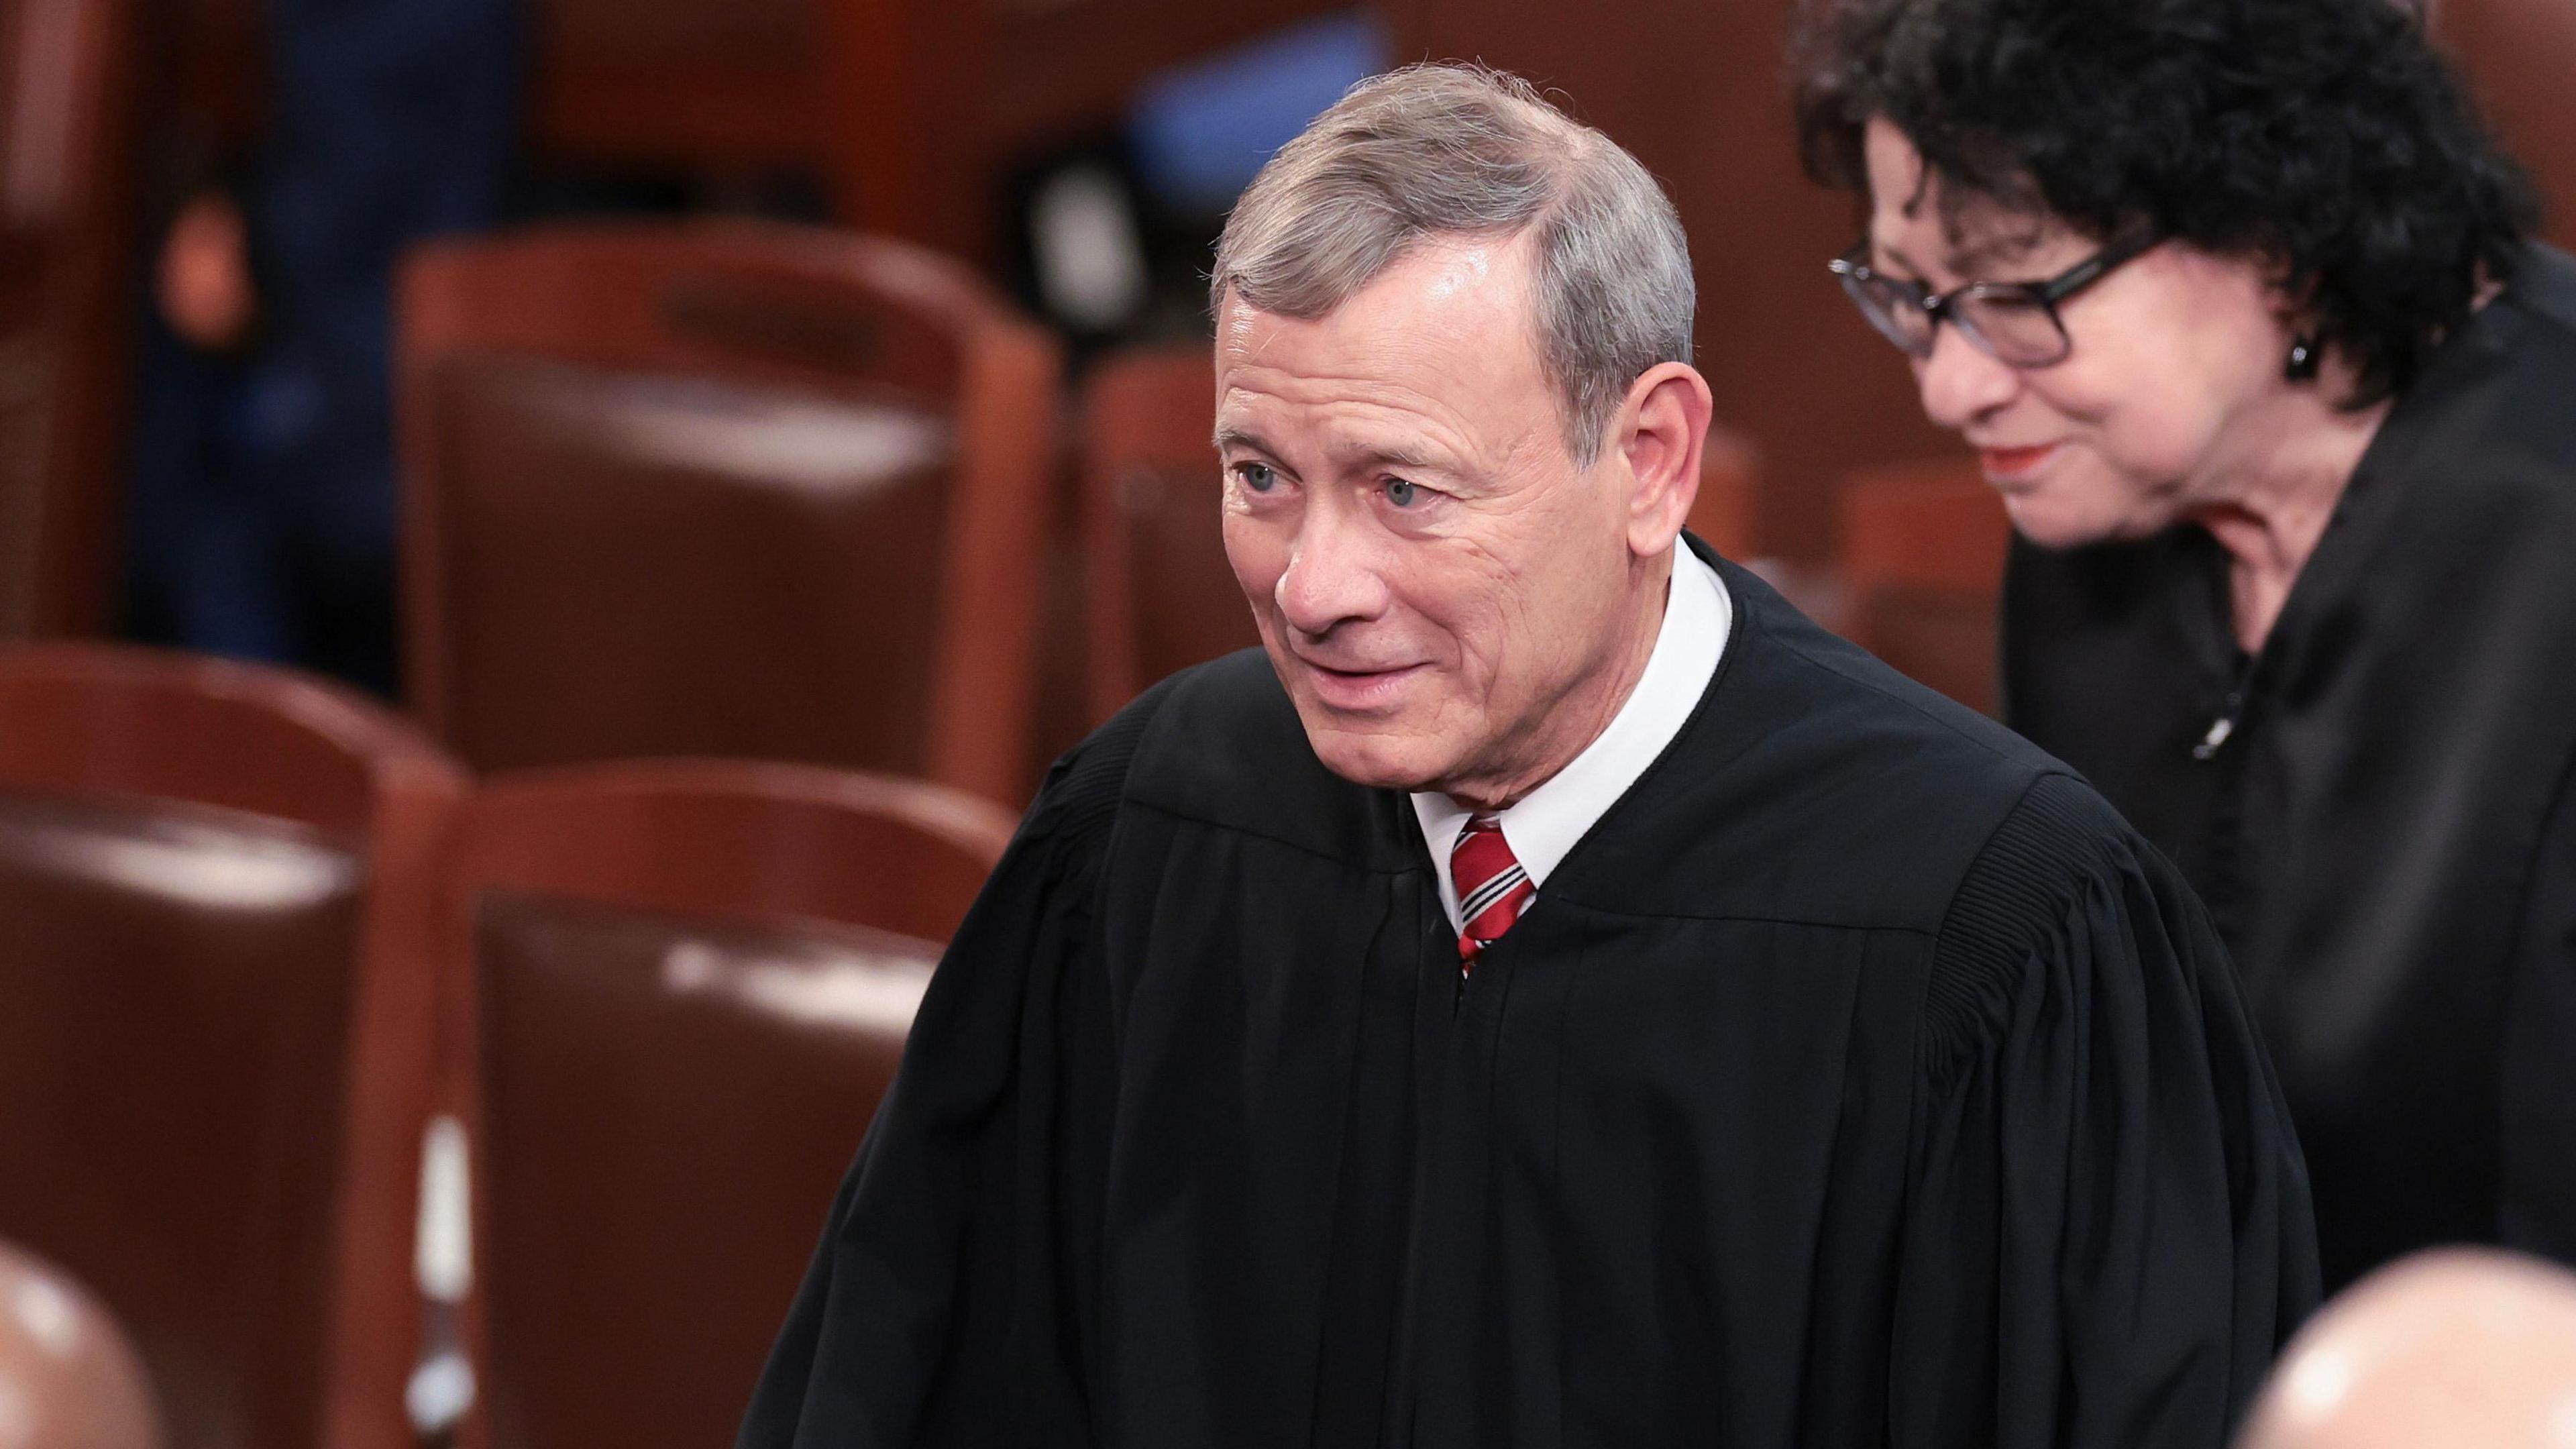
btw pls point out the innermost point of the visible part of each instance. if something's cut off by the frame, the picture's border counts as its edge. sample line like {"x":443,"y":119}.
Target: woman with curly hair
{"x":2245,"y":327}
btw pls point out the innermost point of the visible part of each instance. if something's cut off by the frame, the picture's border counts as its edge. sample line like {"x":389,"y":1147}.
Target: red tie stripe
{"x":1493,"y":890}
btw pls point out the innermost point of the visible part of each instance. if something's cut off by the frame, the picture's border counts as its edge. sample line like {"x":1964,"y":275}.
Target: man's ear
{"x":1658,"y":436}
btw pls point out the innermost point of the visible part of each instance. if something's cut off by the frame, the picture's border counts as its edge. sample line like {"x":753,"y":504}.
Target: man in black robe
{"x":1554,"y":994}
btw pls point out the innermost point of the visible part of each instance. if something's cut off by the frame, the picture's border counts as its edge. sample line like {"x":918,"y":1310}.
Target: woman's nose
{"x":1960,"y":383}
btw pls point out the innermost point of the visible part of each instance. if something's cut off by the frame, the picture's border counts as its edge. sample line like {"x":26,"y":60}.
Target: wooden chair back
{"x":722,"y":489}
{"x":67,"y":70}
{"x":216,"y":1059}
{"x":1158,"y":593}
{"x":677,"y":991}
{"x":1921,"y":548}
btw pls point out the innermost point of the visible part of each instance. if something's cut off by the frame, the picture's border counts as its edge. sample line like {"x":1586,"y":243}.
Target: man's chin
{"x":1380,"y":759}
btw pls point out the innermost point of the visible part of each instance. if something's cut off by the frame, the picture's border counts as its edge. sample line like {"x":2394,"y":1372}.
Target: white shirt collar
{"x":1548,"y":821}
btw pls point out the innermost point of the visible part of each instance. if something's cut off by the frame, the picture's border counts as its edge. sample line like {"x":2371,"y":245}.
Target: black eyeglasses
{"x":2015,"y":323}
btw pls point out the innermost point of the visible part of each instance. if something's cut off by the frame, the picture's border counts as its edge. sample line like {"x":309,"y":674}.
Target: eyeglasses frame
{"x":1855,"y":273}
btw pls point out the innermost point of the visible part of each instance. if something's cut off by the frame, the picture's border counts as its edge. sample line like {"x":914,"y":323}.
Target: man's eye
{"x":1401,"y":493}
{"x":1256,"y":476}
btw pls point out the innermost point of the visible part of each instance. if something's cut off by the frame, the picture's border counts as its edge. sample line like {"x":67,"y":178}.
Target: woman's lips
{"x":2003,"y":463}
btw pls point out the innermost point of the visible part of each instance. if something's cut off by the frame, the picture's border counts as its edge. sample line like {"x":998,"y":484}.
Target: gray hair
{"x":1459,"y":150}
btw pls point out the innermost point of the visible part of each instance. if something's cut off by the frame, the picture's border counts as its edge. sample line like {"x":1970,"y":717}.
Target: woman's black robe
{"x":1858,"y":1080}
{"x":2386,"y":835}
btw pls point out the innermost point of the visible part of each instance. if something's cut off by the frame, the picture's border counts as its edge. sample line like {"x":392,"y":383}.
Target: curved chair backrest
{"x":722,"y":489}
{"x":68,"y":1373}
{"x":677,"y":991}
{"x":216,"y":1057}
{"x":1158,"y":593}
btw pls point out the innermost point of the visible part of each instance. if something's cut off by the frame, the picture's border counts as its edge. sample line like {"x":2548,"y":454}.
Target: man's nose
{"x":1961,"y":383}
{"x":1334,"y":575}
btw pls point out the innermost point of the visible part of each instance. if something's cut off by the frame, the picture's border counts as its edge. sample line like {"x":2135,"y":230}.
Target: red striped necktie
{"x":1493,"y":890}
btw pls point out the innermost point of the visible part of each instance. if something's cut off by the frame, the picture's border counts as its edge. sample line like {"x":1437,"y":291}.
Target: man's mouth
{"x":1358,"y":689}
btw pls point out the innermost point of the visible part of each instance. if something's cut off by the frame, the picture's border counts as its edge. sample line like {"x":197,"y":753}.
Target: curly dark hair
{"x":2323,"y":136}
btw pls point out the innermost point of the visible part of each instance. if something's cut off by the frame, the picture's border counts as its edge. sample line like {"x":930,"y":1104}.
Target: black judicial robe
{"x":1860,"y":1079}
{"x":2386,"y":837}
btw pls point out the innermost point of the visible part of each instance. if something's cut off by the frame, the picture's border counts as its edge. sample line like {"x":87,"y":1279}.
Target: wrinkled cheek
{"x":1494,"y":655}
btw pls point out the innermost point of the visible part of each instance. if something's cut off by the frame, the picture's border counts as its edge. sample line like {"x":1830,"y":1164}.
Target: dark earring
{"x":2303,"y":359}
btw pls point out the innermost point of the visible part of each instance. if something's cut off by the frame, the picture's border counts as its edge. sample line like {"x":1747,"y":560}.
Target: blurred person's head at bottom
{"x":2458,"y":1348}
{"x":68,"y":1378}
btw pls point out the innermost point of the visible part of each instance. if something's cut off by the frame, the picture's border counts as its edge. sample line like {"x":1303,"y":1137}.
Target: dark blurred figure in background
{"x":263,"y":497}
{"x":2455,"y":1349}
{"x":68,"y":1377}
{"x":2243,"y":322}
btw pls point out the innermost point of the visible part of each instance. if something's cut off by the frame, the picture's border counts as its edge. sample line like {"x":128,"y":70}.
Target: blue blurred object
{"x":1201,"y":130}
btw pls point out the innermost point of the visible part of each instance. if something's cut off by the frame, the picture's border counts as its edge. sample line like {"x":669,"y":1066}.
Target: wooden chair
{"x":1158,"y":594}
{"x":65,"y":307}
{"x":726,"y":490}
{"x":215,"y":1058}
{"x":677,"y":991}
{"x":1922,"y":554}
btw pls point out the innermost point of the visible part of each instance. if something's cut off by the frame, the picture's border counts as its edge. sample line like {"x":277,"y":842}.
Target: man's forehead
{"x":1471,"y":290}
{"x":1353,"y":422}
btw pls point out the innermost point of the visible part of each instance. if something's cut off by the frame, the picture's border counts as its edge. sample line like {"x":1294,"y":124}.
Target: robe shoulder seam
{"x":2015,"y":893}
{"x":1086,"y":787}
